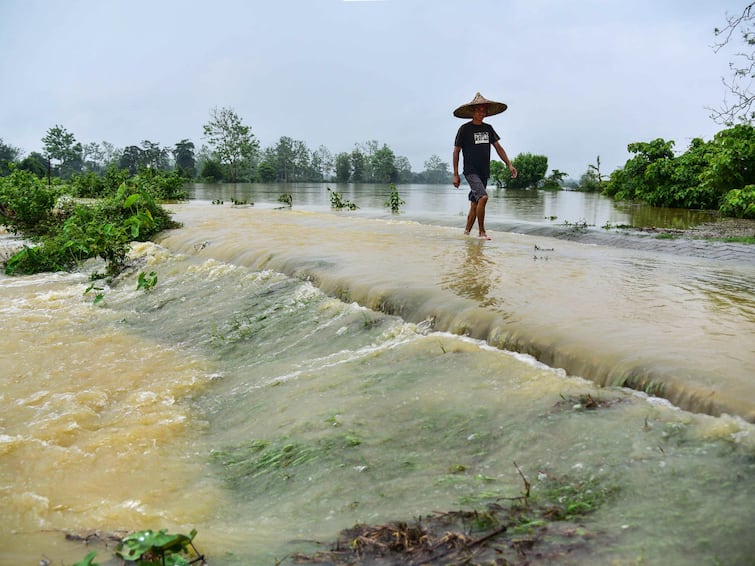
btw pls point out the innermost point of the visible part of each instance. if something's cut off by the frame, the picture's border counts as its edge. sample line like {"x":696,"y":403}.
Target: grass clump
{"x":537,"y":525}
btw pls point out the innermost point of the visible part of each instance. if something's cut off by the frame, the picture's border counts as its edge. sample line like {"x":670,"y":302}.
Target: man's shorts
{"x":476,"y":186}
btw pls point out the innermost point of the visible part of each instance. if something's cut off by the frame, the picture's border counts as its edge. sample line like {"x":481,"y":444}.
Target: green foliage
{"x":701,"y":177}
{"x":149,"y":547}
{"x":26,"y":203}
{"x":146,"y":282}
{"x":554,"y":180}
{"x":8,"y":155}
{"x":88,"y":560}
{"x":382,"y":165}
{"x":98,"y":296}
{"x":266,"y":172}
{"x":732,"y":165}
{"x":163,"y":185}
{"x":530,"y":168}
{"x":286,"y":199}
{"x":436,"y":171}
{"x":212,"y":171}
{"x":230,"y":139}
{"x":343,"y":167}
{"x":739,"y":203}
{"x":338,"y":202}
{"x":87,"y":185}
{"x":61,"y":145}
{"x":103,"y":229}
{"x":394,"y":201}
{"x":186,"y":162}
{"x":35,"y":163}
{"x":358,"y":166}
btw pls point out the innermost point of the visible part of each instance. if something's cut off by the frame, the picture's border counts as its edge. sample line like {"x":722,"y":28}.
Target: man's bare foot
{"x":466,"y":232}
{"x":484,"y":236}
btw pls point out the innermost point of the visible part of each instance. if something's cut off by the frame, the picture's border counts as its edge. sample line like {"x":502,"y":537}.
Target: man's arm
{"x":455,"y":161}
{"x":505,"y":158}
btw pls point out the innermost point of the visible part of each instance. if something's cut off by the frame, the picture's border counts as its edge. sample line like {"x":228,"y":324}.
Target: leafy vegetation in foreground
{"x":146,"y":548}
{"x":63,"y":232}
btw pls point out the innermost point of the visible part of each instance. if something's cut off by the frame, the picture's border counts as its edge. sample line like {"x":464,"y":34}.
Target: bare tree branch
{"x":743,"y":70}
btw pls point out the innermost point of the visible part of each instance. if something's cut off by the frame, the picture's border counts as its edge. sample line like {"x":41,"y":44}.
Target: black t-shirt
{"x":475,"y":142}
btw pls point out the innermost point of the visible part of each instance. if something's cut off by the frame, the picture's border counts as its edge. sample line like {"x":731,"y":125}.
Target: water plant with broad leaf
{"x":147,"y":548}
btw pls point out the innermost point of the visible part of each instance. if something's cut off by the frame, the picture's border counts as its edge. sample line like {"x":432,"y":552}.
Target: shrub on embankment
{"x":61,"y":232}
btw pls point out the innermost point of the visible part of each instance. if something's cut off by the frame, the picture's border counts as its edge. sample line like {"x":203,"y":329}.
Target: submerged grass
{"x":539,"y":524}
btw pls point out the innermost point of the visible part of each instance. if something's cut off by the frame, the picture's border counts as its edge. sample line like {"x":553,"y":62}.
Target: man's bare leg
{"x":471,"y":217}
{"x":481,"y":217}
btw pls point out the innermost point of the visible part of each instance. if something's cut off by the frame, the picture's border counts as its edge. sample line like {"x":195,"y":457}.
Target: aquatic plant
{"x":146,"y":282}
{"x":394,"y":201}
{"x":147,"y":548}
{"x":337,"y":201}
{"x":286,"y":198}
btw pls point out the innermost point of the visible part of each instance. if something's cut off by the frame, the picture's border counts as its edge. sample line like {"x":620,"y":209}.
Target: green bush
{"x":103,"y":229}
{"x":739,"y":203}
{"x":27,"y":203}
{"x":699,"y":178}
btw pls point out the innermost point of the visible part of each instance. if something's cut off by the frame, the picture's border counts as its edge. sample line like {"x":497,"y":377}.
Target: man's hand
{"x":457,"y":180}
{"x":514,"y":172}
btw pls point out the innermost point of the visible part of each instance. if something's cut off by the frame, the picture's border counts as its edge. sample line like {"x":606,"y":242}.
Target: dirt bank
{"x":719,"y":230}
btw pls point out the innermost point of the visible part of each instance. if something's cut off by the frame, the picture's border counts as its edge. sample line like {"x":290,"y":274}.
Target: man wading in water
{"x":474,"y":140}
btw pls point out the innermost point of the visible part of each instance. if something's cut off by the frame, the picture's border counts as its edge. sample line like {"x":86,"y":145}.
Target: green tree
{"x":630,"y":183}
{"x":554,"y":180}
{"x":531,"y":171}
{"x":131,"y":159}
{"x":383,"y":166}
{"x":323,"y":163}
{"x":212,"y":171}
{"x":343,"y":167}
{"x":292,"y":160}
{"x":8,"y":154}
{"x":231,"y":140}
{"x":589,"y":183}
{"x":436,"y":171}
{"x":61,"y":145}
{"x":731,"y":165}
{"x":358,"y":166}
{"x":35,"y":163}
{"x":111,"y":155}
{"x":154,"y":156}
{"x":183,"y":155}
{"x":701,"y":177}
{"x":93,"y":157}
{"x":403,"y":169}
{"x":266,"y":172}
{"x":592,"y":180}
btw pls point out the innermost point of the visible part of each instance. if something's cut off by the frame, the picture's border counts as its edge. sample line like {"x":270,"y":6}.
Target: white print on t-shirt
{"x":481,"y":137}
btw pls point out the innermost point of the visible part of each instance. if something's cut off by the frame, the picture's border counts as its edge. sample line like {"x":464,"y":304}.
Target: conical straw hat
{"x":465,"y":110}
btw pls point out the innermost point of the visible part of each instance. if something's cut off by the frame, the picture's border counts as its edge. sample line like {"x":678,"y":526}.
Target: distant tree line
{"x":719,"y":174}
{"x":231,"y":153}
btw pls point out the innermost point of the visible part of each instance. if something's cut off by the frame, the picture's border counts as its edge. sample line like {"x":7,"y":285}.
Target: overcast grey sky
{"x":582,"y":78}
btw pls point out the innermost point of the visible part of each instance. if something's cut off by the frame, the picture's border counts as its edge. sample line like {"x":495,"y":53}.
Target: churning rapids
{"x":400,"y":366}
